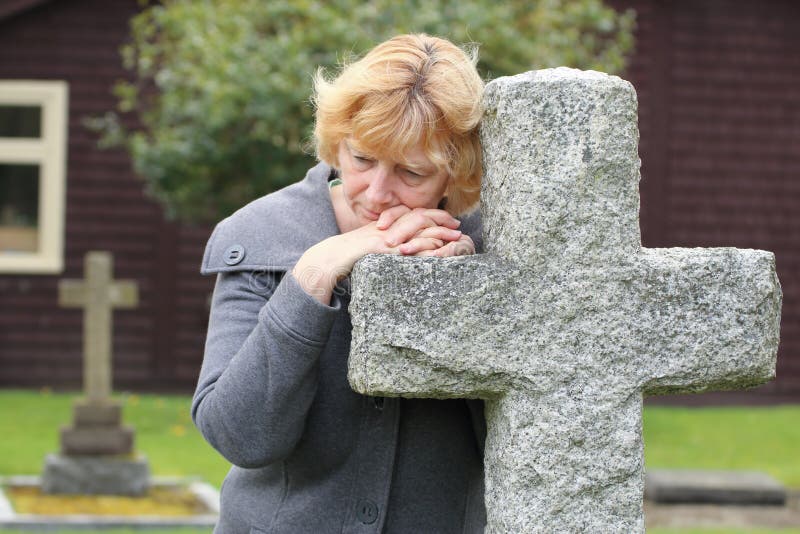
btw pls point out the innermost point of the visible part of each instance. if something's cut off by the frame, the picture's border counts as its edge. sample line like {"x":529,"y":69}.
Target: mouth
{"x":371,"y":215}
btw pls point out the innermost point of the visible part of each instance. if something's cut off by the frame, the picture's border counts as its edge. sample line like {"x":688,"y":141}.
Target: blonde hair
{"x":408,"y":90}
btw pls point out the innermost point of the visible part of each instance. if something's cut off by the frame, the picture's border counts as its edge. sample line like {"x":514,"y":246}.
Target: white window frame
{"x":48,"y":152}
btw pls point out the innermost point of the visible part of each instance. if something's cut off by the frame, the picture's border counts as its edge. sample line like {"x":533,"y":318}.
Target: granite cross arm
{"x":566,"y":321}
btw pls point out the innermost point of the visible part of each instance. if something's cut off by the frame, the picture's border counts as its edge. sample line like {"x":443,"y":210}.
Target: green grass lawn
{"x":763,"y":438}
{"x":30,"y":420}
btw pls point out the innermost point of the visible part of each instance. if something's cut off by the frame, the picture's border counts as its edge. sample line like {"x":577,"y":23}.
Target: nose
{"x":379,"y":192}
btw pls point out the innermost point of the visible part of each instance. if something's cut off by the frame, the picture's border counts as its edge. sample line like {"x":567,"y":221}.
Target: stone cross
{"x":97,"y":426}
{"x":97,"y":450}
{"x":566,"y":321}
{"x":98,"y":294}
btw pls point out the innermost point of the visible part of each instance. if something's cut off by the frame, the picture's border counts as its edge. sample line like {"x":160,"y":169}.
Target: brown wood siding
{"x":158,"y":345}
{"x":720,"y":145}
{"x":735,"y":141}
{"x":720,"y":127}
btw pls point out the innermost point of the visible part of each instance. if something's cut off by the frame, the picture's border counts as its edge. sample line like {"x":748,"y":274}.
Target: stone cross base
{"x":693,"y":486}
{"x":97,"y":431}
{"x":96,"y":455}
{"x":95,"y":475}
{"x":100,"y":440}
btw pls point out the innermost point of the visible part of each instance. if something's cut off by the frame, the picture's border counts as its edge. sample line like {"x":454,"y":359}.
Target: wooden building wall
{"x":158,"y":345}
{"x":720,"y":144}
{"x":720,"y":140}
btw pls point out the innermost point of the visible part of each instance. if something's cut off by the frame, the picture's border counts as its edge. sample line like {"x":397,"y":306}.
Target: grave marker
{"x":566,"y":321}
{"x":98,"y":295}
{"x":96,"y":452}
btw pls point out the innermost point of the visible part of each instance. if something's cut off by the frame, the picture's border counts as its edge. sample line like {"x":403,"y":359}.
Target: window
{"x":33,"y":141}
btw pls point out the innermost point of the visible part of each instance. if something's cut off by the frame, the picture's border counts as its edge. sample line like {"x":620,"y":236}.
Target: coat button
{"x":233,"y":254}
{"x":367,"y":512}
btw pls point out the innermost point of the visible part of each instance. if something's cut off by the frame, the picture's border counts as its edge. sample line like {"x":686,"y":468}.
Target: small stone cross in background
{"x":566,"y":321}
{"x":96,"y":451}
{"x":98,"y":294}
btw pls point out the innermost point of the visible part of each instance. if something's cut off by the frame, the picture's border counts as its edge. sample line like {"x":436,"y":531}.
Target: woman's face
{"x":371,"y":184}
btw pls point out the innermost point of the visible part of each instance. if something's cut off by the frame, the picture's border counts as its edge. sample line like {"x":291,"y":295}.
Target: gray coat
{"x":309,"y":454}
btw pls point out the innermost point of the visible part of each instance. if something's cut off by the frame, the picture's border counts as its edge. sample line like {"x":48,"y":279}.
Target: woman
{"x":396,"y":134}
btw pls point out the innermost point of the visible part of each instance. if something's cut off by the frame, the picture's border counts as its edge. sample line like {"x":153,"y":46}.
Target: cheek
{"x":432,"y":194}
{"x":415,"y":198}
{"x":354,"y":184}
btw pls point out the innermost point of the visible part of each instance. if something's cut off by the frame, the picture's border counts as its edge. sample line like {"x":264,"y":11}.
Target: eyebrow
{"x":359,"y":152}
{"x":417,"y":167}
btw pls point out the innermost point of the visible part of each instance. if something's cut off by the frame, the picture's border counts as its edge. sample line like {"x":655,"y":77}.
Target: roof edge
{"x":11,"y":8}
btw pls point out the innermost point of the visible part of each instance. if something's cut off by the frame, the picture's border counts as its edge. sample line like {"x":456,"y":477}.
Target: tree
{"x":220,"y":90}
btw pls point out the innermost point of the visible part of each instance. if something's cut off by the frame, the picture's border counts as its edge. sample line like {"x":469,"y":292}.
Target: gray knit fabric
{"x":309,"y":454}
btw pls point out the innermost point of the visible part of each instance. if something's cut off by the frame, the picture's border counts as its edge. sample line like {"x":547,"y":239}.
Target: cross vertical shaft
{"x":97,"y":326}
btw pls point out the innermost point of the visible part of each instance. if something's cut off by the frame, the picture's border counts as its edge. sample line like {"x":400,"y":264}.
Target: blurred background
{"x":132,"y":128}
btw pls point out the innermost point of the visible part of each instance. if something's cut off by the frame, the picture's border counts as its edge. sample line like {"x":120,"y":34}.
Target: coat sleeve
{"x":260,"y":367}
{"x":472,"y":225}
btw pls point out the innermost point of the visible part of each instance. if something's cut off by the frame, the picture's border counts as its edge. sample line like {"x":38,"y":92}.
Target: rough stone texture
{"x":95,"y":475}
{"x":719,"y":487}
{"x":566,"y":321}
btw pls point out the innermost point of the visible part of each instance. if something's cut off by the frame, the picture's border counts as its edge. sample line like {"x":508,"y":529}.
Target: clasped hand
{"x":398,"y":230}
{"x":421,"y":232}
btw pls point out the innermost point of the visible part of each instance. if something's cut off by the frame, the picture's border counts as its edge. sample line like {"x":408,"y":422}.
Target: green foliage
{"x":220,"y":90}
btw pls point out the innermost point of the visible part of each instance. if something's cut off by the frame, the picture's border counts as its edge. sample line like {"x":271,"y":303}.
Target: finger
{"x":466,"y":239}
{"x":440,"y":232}
{"x":427,"y":253}
{"x":418,"y":219}
{"x":462,"y":247}
{"x":419,"y":244}
{"x":388,"y":217}
{"x":441,"y":217}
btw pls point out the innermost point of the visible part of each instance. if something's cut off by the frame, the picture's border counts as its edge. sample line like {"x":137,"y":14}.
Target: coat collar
{"x":272,"y":232}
